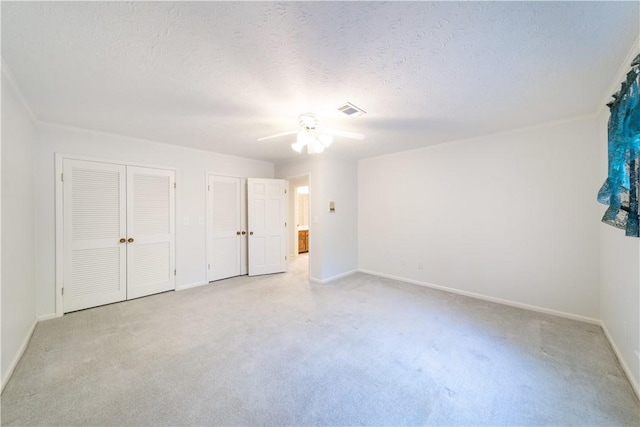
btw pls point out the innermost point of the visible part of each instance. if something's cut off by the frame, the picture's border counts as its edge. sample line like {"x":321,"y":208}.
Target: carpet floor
{"x":279,"y":350}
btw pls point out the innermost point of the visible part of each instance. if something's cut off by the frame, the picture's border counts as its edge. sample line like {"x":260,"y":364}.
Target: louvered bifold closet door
{"x":150,"y":231}
{"x":94,"y":224}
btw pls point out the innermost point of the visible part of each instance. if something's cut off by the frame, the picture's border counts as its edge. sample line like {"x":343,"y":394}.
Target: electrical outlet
{"x":420,"y":266}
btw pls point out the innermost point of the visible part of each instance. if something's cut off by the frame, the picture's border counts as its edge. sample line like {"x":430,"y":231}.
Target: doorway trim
{"x":294,"y":230}
{"x":296,"y":213}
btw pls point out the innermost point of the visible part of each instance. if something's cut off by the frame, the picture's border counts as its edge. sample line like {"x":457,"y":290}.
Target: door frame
{"x":59,"y":217}
{"x":293,"y":230}
{"x":296,"y":211}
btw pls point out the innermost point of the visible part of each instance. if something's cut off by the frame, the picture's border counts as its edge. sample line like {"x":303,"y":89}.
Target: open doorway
{"x":302,"y":218}
{"x":299,"y":207}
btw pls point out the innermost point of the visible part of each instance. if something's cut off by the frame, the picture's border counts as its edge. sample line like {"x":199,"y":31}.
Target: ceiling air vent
{"x":351,"y":110}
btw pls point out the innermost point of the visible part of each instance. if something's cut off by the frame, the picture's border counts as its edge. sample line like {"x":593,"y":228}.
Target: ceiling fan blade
{"x":343,"y":133}
{"x":291,"y":132}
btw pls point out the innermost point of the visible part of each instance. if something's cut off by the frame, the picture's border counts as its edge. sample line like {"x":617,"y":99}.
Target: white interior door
{"x":150,"y":231}
{"x":94,"y":208}
{"x":267,"y":222}
{"x":224,"y":227}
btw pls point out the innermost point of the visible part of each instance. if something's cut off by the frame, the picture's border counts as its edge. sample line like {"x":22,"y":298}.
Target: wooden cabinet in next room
{"x":303,"y":241}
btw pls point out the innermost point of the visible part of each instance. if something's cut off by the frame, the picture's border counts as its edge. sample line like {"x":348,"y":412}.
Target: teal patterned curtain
{"x":621,"y":189}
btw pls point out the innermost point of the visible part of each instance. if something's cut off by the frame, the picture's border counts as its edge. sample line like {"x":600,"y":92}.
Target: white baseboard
{"x":486,"y":297}
{"x":332,"y":278}
{"x":191,"y":285}
{"x":625,"y":367}
{"x":16,"y":359}
{"x":623,"y":362}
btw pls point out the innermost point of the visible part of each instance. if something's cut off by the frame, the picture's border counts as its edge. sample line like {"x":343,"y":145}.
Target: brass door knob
{"x":130,"y":240}
{"x":123,"y":240}
{"x":238,"y":233}
{"x":251,"y":233}
{"x":244,"y":232}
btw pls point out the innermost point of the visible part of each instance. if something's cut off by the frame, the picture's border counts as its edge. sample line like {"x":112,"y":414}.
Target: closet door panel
{"x":223,"y":224}
{"x":94,"y":224}
{"x":150,"y":231}
{"x":267,"y":217}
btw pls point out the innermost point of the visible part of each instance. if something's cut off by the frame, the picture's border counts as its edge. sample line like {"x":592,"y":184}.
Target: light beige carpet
{"x":278,"y":350}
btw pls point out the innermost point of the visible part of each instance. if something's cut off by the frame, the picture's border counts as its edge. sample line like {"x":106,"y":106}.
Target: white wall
{"x":333,"y":245}
{"x":508,"y":216}
{"x":340,"y":237}
{"x":619,"y":282}
{"x":18,"y":240}
{"x":192,"y":167}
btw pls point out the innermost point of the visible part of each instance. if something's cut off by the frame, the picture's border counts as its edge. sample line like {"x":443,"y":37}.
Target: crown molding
{"x":620,"y":75}
{"x":7,"y":75}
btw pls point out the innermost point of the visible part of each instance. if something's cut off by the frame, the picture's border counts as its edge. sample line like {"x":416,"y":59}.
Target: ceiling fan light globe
{"x":325,"y":139}
{"x":315,"y":147}
{"x":304,"y":138}
{"x":297,"y":147}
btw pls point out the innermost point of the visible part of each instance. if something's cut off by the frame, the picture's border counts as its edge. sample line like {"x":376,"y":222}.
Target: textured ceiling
{"x":218,"y":75}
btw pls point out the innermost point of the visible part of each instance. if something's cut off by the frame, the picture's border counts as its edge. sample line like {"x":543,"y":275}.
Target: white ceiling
{"x":219,"y":75}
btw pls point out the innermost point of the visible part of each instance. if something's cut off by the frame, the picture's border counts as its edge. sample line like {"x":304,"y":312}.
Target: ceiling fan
{"x":311,"y":135}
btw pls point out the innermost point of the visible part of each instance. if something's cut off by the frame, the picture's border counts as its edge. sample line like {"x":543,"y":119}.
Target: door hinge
{"x":174,"y":272}
{"x":285,"y":224}
{"x":208,"y":188}
{"x":285,"y":257}
{"x":174,"y":185}
{"x":62,"y":177}
{"x":285,"y":191}
{"x":62,"y":291}
{"x":208,"y":266}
